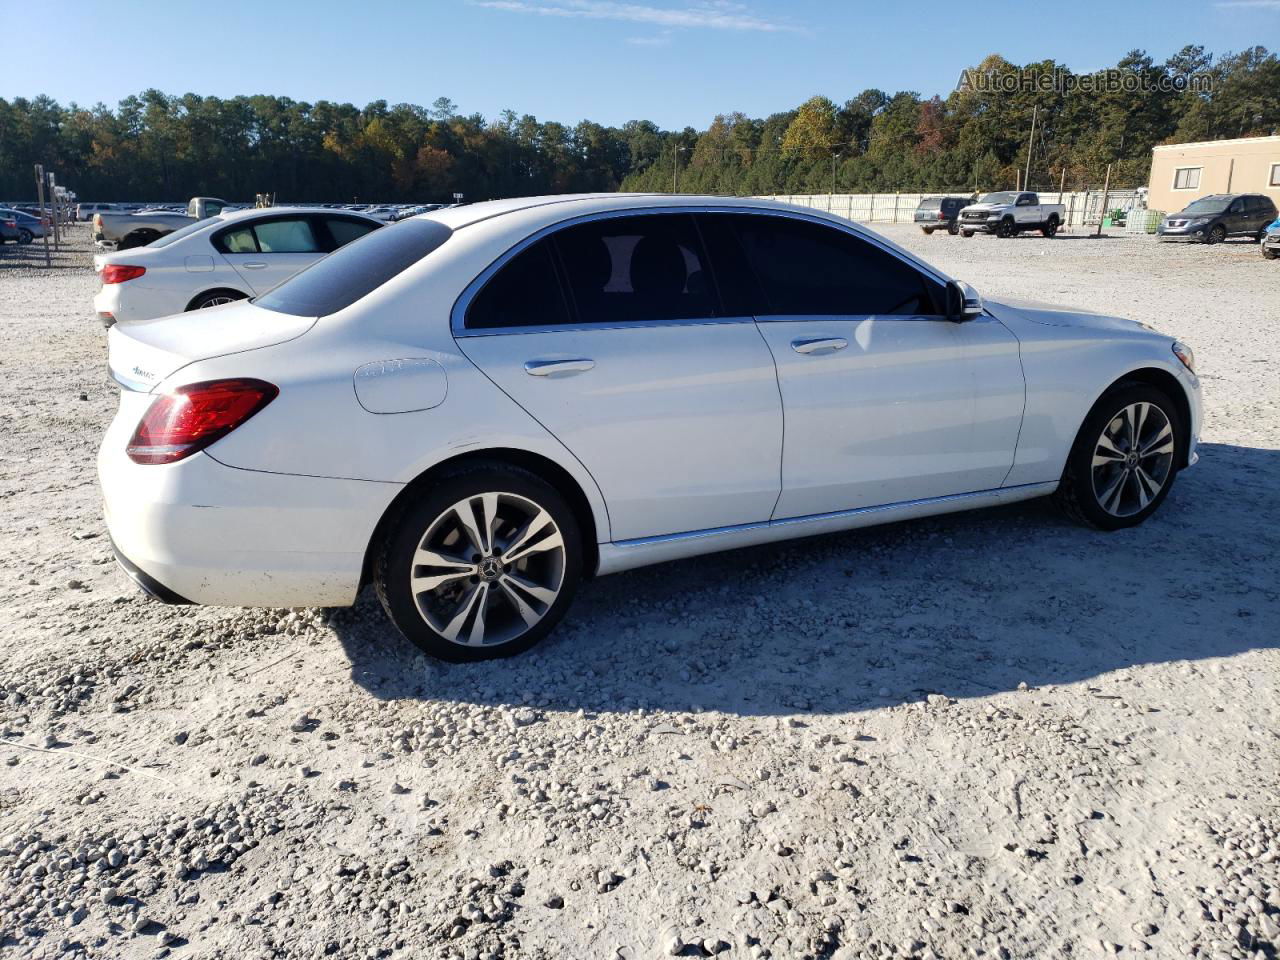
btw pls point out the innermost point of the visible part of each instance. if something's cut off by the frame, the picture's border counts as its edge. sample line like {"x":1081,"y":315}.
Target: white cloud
{"x":1255,"y":4}
{"x":660,"y":40}
{"x":707,"y":14}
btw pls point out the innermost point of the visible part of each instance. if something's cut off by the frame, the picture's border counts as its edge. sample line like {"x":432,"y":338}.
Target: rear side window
{"x":806,"y":269}
{"x":647,"y":268}
{"x":352,"y":272}
{"x":524,"y":293}
{"x":238,"y":241}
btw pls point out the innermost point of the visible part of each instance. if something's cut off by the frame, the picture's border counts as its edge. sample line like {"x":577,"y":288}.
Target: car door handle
{"x":558,"y":368}
{"x":254,"y":264}
{"x":819,"y":345}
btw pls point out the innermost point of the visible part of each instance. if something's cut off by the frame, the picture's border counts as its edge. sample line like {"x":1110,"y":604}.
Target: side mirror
{"x":963,"y":302}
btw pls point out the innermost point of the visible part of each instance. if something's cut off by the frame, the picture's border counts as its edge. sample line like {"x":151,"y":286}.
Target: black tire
{"x":214,"y":298}
{"x":1262,"y":235}
{"x":928,"y":231}
{"x":967,"y":233}
{"x":1216,"y":234}
{"x":1077,"y":495}
{"x":1050,"y":229}
{"x":953,"y":228}
{"x":1270,"y":254}
{"x":1005,"y":228}
{"x":25,"y":236}
{"x":405,"y":534}
{"x":139,"y":238}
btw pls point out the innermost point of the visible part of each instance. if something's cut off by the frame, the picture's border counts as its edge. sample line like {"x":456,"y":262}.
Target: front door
{"x":268,"y":252}
{"x":885,"y":401}
{"x":612,"y":335}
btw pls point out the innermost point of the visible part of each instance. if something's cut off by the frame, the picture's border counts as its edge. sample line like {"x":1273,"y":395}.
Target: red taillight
{"x":941,"y":215}
{"x":192,"y":417}
{"x":120,"y":272}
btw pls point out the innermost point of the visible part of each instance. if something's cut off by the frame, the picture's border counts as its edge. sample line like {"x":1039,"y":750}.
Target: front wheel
{"x":928,"y":231}
{"x":1005,"y":229}
{"x":1124,"y":460}
{"x":483,"y":565}
{"x":968,"y":233}
{"x":1216,"y":235}
{"x":1270,"y":254}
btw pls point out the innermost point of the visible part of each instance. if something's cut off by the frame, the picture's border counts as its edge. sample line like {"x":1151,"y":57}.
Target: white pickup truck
{"x":1009,"y":212}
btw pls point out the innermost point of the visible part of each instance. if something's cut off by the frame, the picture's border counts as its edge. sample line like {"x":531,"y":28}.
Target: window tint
{"x":739,"y":292}
{"x":524,"y":293}
{"x":353,"y":271}
{"x":186,"y":231}
{"x":286,"y":236}
{"x":344,"y":231}
{"x":808,"y":269}
{"x":647,"y":268}
{"x":239,"y":241}
{"x":930,"y":203}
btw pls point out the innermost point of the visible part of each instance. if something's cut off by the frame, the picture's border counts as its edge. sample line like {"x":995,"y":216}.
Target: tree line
{"x":156,"y":146}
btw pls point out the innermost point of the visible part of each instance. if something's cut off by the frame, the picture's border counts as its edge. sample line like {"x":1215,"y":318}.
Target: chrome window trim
{"x":457,"y":316}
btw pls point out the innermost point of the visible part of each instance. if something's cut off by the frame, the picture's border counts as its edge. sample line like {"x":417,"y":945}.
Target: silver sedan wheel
{"x":1132,"y":459}
{"x":488,"y":569}
{"x":216,"y":302}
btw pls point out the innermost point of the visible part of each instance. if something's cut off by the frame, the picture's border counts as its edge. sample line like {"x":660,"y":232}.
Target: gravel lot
{"x":991,"y":734}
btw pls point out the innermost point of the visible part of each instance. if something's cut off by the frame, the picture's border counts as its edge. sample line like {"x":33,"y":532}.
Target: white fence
{"x":1083,"y":207}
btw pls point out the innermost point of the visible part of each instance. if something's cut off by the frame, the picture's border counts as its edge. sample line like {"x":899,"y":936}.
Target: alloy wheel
{"x":488,"y":569}
{"x":1132,"y":459}
{"x":216,"y":302}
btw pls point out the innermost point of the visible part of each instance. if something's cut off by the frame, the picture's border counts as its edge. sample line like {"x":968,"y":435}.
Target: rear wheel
{"x":484,"y":565}
{"x":215,"y":298}
{"x":1270,"y":254}
{"x":1050,"y":229}
{"x":953,"y":228}
{"x":25,"y":236}
{"x":1124,"y":459}
{"x":1216,"y":235}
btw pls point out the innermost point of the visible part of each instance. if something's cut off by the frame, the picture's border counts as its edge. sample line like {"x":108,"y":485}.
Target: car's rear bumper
{"x":201,"y":532}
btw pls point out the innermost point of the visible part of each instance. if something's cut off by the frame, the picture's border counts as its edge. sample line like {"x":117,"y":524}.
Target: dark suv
{"x":1213,"y":218}
{"x":940,"y":213}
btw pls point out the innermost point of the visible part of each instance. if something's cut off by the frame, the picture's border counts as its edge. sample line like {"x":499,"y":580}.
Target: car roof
{"x":567,"y":206}
{"x":228,"y":216}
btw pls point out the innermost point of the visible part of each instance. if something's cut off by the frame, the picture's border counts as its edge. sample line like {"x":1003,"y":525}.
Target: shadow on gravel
{"x":964,"y":605}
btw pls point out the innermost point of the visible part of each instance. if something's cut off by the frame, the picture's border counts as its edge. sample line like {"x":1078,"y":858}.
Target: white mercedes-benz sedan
{"x":231,"y":256}
{"x":476,"y":408}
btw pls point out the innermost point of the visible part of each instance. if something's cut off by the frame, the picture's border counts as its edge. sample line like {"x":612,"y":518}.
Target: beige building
{"x":1181,"y":172}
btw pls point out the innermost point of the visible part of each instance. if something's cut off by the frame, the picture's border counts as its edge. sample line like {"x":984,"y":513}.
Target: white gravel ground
{"x":992,"y":734}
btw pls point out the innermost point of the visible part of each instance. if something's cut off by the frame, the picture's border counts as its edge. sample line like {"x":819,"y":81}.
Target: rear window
{"x":356,"y":270}
{"x":930,"y":203}
{"x":186,"y":231}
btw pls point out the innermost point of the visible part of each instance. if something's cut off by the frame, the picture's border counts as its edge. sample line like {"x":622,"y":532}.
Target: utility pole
{"x":1026,"y":177}
{"x":48,"y":261}
{"x":834,"y":158}
{"x":675,"y":167}
{"x":1106,"y":187}
{"x":53,"y":209}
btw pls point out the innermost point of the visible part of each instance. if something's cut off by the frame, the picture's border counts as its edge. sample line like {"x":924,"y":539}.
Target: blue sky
{"x":676,"y":62}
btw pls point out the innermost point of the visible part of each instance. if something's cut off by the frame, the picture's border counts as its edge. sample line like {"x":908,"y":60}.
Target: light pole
{"x":834,"y":158}
{"x":675,"y":167}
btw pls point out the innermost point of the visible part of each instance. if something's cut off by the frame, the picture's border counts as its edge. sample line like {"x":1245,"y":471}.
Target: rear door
{"x":267,"y":252}
{"x":884,"y":399}
{"x":611,"y":334}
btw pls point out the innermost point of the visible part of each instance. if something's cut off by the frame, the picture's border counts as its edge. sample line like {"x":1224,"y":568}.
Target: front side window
{"x":646,"y":268}
{"x":1186,"y":178}
{"x":286,"y":236}
{"x":344,"y":231}
{"x":806,"y":269}
{"x":525,"y":292}
{"x":1026,"y":200}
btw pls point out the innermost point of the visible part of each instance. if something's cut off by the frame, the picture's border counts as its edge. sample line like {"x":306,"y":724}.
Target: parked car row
{"x":20,"y":227}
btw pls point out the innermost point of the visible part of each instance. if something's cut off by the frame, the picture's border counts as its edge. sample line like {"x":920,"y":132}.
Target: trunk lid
{"x":141,"y":355}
